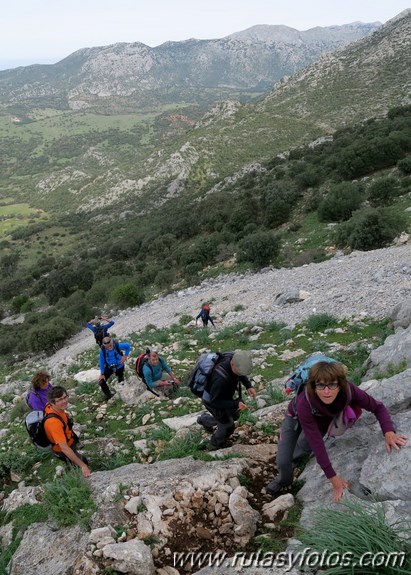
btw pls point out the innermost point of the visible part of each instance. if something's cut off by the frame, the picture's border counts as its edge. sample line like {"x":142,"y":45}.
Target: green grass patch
{"x":360,"y":528}
{"x":68,"y":499}
{"x":181,"y":447}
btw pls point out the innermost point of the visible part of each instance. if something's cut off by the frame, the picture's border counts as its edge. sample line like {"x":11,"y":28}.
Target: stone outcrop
{"x":396,"y":350}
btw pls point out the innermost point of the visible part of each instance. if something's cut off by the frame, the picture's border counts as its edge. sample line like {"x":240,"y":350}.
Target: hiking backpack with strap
{"x":204,"y":367}
{"x":116,"y":348}
{"x":35,"y":421}
{"x":99,"y":334}
{"x":141,"y":361}
{"x":296,"y":381}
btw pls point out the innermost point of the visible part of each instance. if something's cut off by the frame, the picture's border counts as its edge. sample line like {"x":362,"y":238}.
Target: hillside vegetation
{"x":108,"y":210}
{"x":59,"y":270}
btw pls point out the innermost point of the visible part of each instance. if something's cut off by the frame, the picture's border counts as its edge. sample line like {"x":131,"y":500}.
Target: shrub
{"x":127,"y":295}
{"x":383,"y":191}
{"x":164,"y":278}
{"x":321,"y":321}
{"x":372,"y":229}
{"x":18,"y":302}
{"x":259,"y":249}
{"x":51,"y":335}
{"x":342,"y":200}
{"x":278,"y":212}
{"x":405,"y":165}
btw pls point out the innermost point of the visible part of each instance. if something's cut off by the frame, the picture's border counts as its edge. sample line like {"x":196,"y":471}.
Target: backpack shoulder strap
{"x":56,"y":416}
{"x":148,"y":364}
{"x":117,"y":347}
{"x":32,"y":392}
{"x":221,"y":371}
{"x":307,"y":397}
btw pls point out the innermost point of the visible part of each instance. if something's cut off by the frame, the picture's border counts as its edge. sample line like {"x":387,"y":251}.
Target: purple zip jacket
{"x":38,"y":402}
{"x":316,"y":425}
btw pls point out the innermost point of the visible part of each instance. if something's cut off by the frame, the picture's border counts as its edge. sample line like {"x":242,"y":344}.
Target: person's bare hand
{"x":394,"y":441}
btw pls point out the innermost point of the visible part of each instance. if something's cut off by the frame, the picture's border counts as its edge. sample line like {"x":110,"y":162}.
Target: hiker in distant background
{"x":100,"y":329}
{"x":205,"y":315}
{"x":157,"y":373}
{"x":218,"y":397}
{"x":59,"y":430}
{"x":37,"y":396}
{"x":317,"y":412}
{"x":113,"y":356}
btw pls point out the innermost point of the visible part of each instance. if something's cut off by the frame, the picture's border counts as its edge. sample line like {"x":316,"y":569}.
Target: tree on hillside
{"x":259,"y":249}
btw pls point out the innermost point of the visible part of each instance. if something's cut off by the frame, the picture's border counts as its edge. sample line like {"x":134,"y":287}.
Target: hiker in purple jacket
{"x":37,"y":395}
{"x":316,"y":412}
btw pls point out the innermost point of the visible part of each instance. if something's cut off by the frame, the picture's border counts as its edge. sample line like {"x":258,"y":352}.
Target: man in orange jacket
{"x":59,"y":430}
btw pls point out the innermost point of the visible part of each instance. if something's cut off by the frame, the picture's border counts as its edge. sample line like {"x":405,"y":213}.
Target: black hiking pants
{"x":291,"y":447}
{"x":108,"y":372}
{"x":60,"y":455}
{"x":222,"y":419}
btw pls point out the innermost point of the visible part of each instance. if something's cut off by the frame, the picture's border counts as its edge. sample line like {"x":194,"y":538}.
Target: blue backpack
{"x":299,"y":377}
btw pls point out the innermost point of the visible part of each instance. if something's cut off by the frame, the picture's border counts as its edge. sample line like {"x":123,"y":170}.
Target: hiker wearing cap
{"x":205,"y":315}
{"x":113,"y":355}
{"x":58,"y":427}
{"x":99,"y":328}
{"x":218,"y":398}
{"x":37,"y":396}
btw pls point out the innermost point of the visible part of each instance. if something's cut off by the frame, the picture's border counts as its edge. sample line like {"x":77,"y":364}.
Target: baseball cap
{"x":242,"y":362}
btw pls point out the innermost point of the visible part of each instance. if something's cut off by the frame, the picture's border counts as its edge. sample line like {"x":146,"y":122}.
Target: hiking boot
{"x":224,"y":445}
{"x":276,"y":488}
{"x":108,"y":397}
{"x":205,"y":427}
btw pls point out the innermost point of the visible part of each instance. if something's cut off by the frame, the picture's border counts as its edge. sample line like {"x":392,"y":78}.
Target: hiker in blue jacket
{"x":157,"y":373}
{"x":99,"y":329}
{"x":113,"y":356}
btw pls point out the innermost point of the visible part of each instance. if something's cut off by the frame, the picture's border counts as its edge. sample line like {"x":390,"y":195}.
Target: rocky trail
{"x":361,"y":284}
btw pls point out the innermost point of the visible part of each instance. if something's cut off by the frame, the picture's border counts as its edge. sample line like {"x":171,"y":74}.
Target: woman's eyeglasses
{"x":331,"y":386}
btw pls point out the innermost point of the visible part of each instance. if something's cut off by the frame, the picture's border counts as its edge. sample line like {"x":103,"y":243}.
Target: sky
{"x":46,"y":31}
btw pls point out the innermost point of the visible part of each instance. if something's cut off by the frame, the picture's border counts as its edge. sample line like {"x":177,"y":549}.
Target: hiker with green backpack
{"x":326,"y":405}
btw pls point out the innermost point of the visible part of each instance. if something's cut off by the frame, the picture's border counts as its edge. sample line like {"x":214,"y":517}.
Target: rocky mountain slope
{"x":363,"y":79}
{"x":356,"y":285}
{"x":151,"y":518}
{"x":138,"y":76}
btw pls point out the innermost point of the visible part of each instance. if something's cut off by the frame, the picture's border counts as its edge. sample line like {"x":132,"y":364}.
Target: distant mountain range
{"x":125,"y":77}
{"x":66,"y":161}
